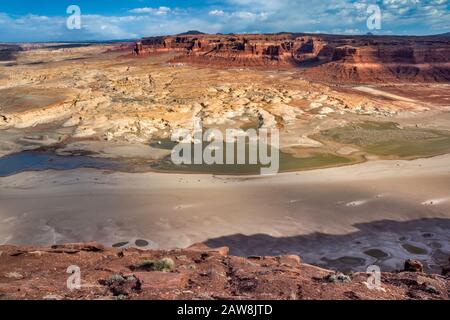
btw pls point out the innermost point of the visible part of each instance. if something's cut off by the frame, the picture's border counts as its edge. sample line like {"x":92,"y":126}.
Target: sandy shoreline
{"x":176,"y":210}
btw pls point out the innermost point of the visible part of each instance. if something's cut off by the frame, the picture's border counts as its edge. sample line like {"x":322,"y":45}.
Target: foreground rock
{"x":197,"y":272}
{"x":413,"y":266}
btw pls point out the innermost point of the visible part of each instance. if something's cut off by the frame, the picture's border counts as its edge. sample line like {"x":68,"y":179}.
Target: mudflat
{"x":345,"y":218}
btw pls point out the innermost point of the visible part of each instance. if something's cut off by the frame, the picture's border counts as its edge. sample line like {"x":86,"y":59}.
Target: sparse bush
{"x":164,"y":265}
{"x":339,"y":278}
{"x":115,"y":279}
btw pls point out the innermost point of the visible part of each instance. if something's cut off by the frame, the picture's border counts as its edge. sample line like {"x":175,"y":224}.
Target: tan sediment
{"x":74,"y":203}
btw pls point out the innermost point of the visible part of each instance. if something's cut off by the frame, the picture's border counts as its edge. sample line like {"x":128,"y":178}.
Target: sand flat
{"x":176,"y":210}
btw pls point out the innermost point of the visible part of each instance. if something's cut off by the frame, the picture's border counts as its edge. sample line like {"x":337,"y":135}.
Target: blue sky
{"x":45,"y":20}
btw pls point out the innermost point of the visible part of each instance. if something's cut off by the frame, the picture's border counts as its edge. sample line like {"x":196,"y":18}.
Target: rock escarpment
{"x":321,"y":57}
{"x":197,"y":272}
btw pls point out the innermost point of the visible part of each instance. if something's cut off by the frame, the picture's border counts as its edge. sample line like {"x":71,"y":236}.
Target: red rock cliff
{"x":323,"y":57}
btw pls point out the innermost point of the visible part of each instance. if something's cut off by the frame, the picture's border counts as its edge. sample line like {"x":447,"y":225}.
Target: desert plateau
{"x":87,"y":178}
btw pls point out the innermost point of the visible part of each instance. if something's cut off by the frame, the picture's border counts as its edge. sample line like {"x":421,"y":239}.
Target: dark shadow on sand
{"x":8,"y":52}
{"x":424,"y":239}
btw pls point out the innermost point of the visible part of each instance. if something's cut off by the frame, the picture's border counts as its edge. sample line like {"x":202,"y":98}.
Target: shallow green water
{"x":388,"y":139}
{"x":42,"y":160}
{"x":413,"y":148}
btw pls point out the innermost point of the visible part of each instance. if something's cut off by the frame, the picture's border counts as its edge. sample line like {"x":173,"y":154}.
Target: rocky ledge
{"x":197,"y":272}
{"x":334,"y":58}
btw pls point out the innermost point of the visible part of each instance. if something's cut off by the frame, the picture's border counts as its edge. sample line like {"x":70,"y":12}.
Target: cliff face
{"x":323,"y":57}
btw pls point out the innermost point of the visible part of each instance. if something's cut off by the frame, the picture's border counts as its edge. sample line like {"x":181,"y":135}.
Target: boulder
{"x":122,"y":285}
{"x":339,"y":278}
{"x":290,"y":260}
{"x":413,"y":266}
{"x":201,"y":247}
{"x":161,"y":281}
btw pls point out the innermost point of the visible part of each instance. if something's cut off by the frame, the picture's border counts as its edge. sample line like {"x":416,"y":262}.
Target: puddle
{"x":413,"y":249}
{"x":48,"y":160}
{"x":45,"y":160}
{"x":345,"y":264}
{"x":376,"y":253}
{"x":288,"y":162}
{"x":120,"y":244}
{"x":141,"y":243}
{"x":388,"y":139}
{"x":352,"y":261}
{"x":163,"y":144}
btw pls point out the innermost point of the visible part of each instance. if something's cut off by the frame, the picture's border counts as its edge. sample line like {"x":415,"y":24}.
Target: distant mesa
{"x":333,"y":58}
{"x":190,"y":32}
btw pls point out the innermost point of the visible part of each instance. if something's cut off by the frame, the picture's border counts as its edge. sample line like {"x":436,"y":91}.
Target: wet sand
{"x":329,"y":217}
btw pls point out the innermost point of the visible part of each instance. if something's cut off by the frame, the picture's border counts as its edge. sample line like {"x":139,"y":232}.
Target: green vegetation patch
{"x":388,"y":139}
{"x":164,"y":265}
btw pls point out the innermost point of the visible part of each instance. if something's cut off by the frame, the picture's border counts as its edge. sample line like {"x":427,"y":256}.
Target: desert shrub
{"x":164,"y":265}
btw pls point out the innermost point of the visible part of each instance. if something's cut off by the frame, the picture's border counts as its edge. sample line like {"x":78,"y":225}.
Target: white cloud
{"x":401,"y":16}
{"x":216,"y":13}
{"x":332,"y":16}
{"x":155,"y":11}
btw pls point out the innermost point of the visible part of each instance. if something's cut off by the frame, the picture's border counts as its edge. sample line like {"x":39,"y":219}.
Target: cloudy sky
{"x":45,"y":20}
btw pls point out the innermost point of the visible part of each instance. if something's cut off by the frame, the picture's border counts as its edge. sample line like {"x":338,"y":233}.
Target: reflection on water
{"x":40,"y":160}
{"x":288,"y":162}
{"x":47,"y":160}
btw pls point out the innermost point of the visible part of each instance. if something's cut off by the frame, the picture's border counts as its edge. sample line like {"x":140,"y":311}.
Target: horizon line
{"x":368,"y":34}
